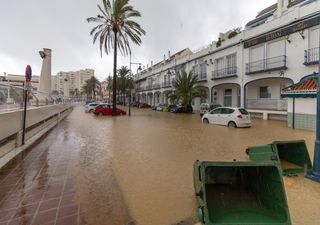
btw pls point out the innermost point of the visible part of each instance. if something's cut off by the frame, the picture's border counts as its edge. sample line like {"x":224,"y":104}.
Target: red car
{"x":103,"y":110}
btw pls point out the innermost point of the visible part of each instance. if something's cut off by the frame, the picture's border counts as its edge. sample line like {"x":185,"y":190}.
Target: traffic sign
{"x":28,"y":73}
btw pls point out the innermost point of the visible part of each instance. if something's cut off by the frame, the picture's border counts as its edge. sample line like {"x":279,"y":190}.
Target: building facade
{"x":74,"y":81}
{"x":246,"y":68}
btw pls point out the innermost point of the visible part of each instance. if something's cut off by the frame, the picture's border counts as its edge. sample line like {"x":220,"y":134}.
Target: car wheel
{"x":100,"y":114}
{"x":201,"y":114}
{"x":206,"y":121}
{"x":91,"y":110}
{"x":232,"y":124}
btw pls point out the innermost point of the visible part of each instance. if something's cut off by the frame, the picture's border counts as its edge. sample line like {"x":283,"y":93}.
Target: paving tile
{"x":6,"y":215}
{"x":69,"y":220}
{"x":49,"y":204}
{"x":45,"y":216}
{"x":24,"y":210}
{"x":24,"y":220}
{"x":68,"y":210}
{"x":68,"y":199}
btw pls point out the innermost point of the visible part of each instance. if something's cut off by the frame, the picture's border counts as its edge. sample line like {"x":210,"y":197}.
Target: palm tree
{"x":123,"y":77}
{"x":115,"y":29}
{"x":186,"y":89}
{"x":109,"y":86}
{"x":91,"y":86}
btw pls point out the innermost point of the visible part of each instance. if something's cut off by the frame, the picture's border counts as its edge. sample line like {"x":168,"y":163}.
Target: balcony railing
{"x":266,"y":65}
{"x":166,"y":84}
{"x":267,"y":104}
{"x":139,"y":89}
{"x":156,"y":86}
{"x":149,"y":87}
{"x":201,"y":77}
{"x":311,"y":56}
{"x":224,"y":73}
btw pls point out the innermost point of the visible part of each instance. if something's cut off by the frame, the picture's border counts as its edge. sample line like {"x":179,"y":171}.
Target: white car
{"x":91,"y":106}
{"x":228,"y":116}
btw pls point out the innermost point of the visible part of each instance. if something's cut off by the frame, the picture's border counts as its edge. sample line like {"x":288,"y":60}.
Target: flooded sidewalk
{"x":134,"y":170}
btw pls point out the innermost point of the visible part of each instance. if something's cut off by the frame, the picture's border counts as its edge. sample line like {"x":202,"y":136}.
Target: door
{"x":226,"y":116}
{"x":107,"y":110}
{"x":214,"y":116}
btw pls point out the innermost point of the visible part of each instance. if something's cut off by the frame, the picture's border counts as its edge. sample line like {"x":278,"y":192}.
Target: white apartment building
{"x":74,"y":80}
{"x":276,"y":49}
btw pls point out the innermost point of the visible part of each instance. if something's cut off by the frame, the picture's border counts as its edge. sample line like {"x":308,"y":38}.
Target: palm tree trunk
{"x":114,"y":103}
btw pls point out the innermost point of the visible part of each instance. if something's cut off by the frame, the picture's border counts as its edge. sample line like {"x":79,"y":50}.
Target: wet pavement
{"x":138,"y":170}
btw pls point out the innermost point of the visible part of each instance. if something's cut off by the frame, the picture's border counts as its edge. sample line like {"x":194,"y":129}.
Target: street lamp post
{"x":314,"y":174}
{"x":139,"y":69}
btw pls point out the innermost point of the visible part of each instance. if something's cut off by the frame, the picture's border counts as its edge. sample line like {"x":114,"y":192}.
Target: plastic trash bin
{"x":240,"y":193}
{"x":293,"y":156}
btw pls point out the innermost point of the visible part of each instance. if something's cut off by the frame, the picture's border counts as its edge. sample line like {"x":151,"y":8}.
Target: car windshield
{"x":243,"y":111}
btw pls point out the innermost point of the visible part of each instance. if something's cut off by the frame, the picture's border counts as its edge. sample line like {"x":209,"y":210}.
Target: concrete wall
{"x":39,"y":121}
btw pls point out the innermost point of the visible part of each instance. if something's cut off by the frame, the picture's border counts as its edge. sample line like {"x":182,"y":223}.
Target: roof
{"x":268,"y":9}
{"x":263,"y":15}
{"x":305,"y":89}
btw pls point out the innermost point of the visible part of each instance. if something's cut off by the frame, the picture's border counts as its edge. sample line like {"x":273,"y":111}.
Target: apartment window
{"x":203,"y":67}
{"x":228,"y":97}
{"x":219,"y":64}
{"x":275,"y":48}
{"x":257,"y":53}
{"x":265,"y":92}
{"x":314,"y":38}
{"x":231,"y":63}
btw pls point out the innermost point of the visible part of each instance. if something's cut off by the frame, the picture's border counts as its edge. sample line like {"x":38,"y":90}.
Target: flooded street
{"x":138,"y":169}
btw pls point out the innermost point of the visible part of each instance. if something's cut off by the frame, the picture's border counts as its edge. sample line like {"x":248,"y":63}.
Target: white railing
{"x":268,"y":104}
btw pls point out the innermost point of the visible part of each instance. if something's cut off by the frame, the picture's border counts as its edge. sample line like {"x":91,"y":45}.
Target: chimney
{"x":169,"y":55}
{"x":164,"y":57}
{"x":151,"y":63}
{"x":147,"y":66}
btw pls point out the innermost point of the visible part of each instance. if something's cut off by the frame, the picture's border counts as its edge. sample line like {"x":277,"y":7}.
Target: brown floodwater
{"x":138,"y":170}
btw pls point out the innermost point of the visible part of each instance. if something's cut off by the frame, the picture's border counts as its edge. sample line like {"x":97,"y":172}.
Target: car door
{"x":107,"y":110}
{"x":226,"y":116}
{"x":214,"y":116}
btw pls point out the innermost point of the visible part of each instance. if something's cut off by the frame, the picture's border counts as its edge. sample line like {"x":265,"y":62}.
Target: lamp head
{"x":42,"y":54}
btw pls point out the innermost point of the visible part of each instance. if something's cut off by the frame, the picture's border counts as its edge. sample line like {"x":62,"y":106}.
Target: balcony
{"x":166,"y":84}
{"x":156,"y":86}
{"x":149,"y":87}
{"x":267,"y":104}
{"x":311,"y":56}
{"x":202,"y":77}
{"x":140,"y":89}
{"x":224,"y":73}
{"x":267,"y":65}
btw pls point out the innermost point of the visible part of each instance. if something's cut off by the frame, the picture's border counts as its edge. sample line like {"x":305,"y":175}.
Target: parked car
{"x":160,"y":107}
{"x":90,"y":107}
{"x":168,"y":108}
{"x":228,"y":116}
{"x":206,"y":107}
{"x":144,"y":105}
{"x":90,"y":101}
{"x":106,"y":109}
{"x":135,"y":104}
{"x":176,"y":109}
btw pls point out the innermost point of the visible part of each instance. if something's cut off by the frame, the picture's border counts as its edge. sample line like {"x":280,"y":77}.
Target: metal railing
{"x":265,"y":65}
{"x":311,"y":56}
{"x":201,"y":77}
{"x":268,"y":104}
{"x":224,"y":73}
{"x":166,"y":84}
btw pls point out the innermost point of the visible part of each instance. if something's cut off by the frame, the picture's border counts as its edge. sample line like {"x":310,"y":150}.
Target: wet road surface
{"x":138,"y":170}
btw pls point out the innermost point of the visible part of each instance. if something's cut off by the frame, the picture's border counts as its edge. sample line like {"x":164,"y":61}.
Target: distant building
{"x":74,"y":79}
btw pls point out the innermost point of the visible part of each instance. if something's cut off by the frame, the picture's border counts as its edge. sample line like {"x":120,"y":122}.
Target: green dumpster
{"x":240,"y":193}
{"x":293,"y":156}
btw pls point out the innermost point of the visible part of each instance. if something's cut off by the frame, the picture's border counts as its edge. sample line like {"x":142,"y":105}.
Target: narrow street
{"x":134,"y":170}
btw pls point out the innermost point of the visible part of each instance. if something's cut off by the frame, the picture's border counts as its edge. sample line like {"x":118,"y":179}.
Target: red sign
{"x":28,"y":73}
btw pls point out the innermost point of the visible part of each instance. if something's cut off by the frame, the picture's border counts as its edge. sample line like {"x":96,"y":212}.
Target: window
{"x":219,"y":64}
{"x":265,"y":92}
{"x":275,"y":49}
{"x":231,"y":63}
{"x":226,"y":111}
{"x":216,"y":111}
{"x":314,"y":38}
{"x":243,"y":111}
{"x":228,"y":97}
{"x":257,"y":53}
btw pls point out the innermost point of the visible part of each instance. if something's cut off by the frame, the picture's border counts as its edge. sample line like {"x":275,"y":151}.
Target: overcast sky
{"x":27,"y":26}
